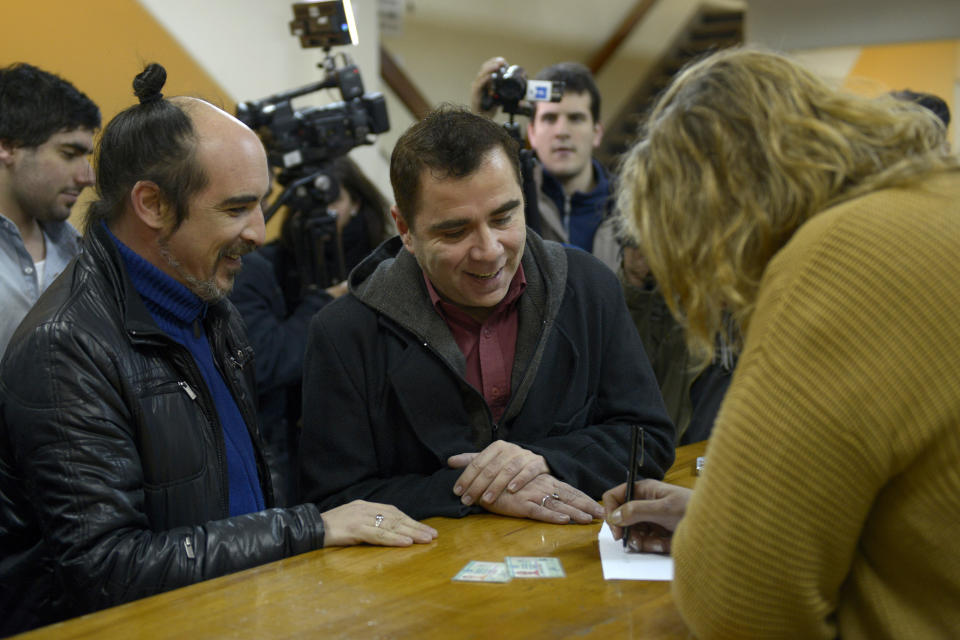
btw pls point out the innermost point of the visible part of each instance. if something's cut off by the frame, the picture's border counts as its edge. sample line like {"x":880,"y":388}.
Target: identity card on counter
{"x":528,"y":567}
{"x":476,"y":571}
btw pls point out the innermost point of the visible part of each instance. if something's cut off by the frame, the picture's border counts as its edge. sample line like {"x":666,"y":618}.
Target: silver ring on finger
{"x":555,"y":496}
{"x":543,"y":501}
{"x":377,"y":521}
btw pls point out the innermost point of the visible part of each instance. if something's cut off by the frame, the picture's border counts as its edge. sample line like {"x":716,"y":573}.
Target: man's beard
{"x":207,"y":290}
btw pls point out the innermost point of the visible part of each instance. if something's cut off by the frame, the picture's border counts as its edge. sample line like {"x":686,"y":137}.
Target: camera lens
{"x":512,"y":85}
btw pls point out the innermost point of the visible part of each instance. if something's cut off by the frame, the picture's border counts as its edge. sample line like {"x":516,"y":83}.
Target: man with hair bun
{"x":131,"y":461}
{"x":46,"y":137}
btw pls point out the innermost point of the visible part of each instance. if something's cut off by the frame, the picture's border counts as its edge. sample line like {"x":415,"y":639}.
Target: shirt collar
{"x":54,"y":230}
{"x":516,"y":289}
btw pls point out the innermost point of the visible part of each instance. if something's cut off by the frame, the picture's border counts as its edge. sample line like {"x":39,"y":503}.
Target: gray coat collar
{"x":390,"y":282}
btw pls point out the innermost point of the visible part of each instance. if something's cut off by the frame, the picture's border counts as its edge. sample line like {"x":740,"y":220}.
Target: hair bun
{"x":147,"y":84}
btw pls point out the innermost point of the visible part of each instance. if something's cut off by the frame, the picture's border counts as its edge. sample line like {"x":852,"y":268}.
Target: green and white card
{"x":530,"y":567}
{"x":476,"y":571}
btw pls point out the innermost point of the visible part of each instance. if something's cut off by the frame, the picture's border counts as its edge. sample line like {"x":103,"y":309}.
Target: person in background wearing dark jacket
{"x":129,"y":451}
{"x":692,"y":394}
{"x":276,"y":294}
{"x":574,"y":191}
{"x":474,"y":366}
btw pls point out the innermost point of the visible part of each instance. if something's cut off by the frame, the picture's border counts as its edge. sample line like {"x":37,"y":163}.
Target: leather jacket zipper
{"x":188,"y":389}
{"x":188,"y":547}
{"x":184,"y":361}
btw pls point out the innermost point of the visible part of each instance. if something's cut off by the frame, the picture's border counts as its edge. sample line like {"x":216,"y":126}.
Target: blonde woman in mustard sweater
{"x":828,"y":227}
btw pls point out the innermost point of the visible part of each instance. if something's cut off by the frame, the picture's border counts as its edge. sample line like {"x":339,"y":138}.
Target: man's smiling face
{"x":224,"y":219}
{"x":468,"y":233}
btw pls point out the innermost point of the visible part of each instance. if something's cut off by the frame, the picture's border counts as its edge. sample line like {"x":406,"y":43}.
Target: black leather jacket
{"x":113,"y":479}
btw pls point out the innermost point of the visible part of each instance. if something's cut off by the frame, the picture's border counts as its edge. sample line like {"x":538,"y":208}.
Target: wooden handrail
{"x":602,"y":55}
{"x":401,"y":84}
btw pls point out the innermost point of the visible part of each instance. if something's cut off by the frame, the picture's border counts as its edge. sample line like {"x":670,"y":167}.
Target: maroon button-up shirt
{"x":489,"y":347}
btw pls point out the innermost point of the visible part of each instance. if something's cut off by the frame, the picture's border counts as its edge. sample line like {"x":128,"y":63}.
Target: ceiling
{"x":538,"y":19}
{"x":783,"y":24}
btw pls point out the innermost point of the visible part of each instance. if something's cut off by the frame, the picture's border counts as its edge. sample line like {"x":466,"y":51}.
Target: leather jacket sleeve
{"x":74,"y":447}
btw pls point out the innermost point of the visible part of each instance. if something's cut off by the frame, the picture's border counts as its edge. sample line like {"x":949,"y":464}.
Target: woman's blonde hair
{"x":738,"y":153}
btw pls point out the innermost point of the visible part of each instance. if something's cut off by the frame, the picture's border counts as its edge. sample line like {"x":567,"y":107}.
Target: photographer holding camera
{"x":573,"y":190}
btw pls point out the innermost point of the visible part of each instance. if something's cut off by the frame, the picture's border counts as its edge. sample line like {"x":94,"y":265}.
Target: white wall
{"x":443,"y":43}
{"x":246,"y":46}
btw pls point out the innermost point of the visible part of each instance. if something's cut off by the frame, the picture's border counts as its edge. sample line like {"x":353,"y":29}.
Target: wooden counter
{"x":375,"y":592}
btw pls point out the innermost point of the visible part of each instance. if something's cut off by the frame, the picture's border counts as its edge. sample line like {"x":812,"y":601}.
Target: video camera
{"x":297,"y":141}
{"x":303,"y":142}
{"x":315,"y":134}
{"x":509,"y":86}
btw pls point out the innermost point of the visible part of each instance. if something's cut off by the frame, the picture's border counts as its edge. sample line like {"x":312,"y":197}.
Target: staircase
{"x":708,"y":31}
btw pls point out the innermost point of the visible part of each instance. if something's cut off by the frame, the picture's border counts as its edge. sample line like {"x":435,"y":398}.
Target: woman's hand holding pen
{"x":652,"y":515}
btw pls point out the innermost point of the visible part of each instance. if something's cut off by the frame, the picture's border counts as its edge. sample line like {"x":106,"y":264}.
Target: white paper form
{"x":618,"y":564}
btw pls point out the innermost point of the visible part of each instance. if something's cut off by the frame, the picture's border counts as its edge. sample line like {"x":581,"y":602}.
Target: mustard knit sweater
{"x":830,"y":502}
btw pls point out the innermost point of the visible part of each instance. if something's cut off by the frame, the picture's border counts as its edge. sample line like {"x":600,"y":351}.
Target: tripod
{"x":527,"y":167}
{"x":313,"y":227}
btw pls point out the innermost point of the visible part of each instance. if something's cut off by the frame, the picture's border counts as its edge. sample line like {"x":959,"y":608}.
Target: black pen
{"x":631,"y":474}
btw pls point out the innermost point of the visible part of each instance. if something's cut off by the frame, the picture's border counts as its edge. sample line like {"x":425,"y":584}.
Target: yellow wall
{"x":99,"y":46}
{"x":929,"y":67}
